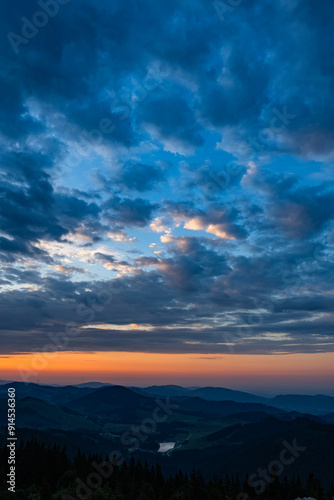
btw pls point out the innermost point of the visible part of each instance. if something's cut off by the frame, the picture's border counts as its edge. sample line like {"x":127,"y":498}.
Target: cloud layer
{"x":166,"y":173}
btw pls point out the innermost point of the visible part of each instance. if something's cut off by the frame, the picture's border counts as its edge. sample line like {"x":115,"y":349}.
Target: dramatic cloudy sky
{"x":167,"y":177}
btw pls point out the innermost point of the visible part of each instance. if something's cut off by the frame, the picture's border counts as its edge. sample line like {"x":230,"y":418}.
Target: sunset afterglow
{"x":251,"y":372}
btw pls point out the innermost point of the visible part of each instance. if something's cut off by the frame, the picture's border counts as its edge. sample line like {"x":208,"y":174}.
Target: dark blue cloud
{"x":299,"y":210}
{"x":173,"y":120}
{"x":133,"y":177}
{"x":129,"y":212}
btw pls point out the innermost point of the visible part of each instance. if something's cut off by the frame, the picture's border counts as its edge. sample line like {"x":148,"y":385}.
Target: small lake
{"x":164,"y":447}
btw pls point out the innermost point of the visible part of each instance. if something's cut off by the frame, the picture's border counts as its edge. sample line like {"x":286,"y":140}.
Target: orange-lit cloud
{"x":219,"y":230}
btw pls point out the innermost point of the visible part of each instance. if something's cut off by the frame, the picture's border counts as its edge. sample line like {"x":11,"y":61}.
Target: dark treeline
{"x":47,"y":473}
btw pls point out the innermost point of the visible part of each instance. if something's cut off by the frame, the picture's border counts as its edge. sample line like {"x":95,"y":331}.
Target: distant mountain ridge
{"x":93,"y":385}
{"x":225,"y":408}
{"x":115,"y":395}
{"x":38,"y":414}
{"x":320,"y":402}
{"x":48,"y":393}
{"x":2,"y":382}
{"x":316,"y":405}
{"x":209,"y":393}
{"x":115,"y":402}
{"x":221,"y":394}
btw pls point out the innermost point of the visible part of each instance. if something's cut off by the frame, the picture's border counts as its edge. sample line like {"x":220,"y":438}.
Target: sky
{"x":166,"y":191}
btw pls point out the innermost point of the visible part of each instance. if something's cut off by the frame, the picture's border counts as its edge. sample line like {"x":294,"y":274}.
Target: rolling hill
{"x":225,"y":408}
{"x":319,"y":404}
{"x":37,"y":414}
{"x":114,"y":403}
{"x":57,"y":395}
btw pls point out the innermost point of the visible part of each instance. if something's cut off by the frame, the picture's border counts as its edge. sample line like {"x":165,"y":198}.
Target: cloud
{"x":220,"y":222}
{"x":129,"y":212}
{"x":215,"y":181}
{"x":299,"y":211}
{"x":132,"y":177}
{"x":219,"y":230}
{"x":170,"y":120}
{"x":205,"y":142}
{"x":160,"y":225}
{"x":68,"y":269}
{"x":139,"y":177}
{"x":193,"y":294}
{"x":120,"y":236}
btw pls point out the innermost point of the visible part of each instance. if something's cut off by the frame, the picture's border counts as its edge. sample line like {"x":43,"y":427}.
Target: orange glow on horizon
{"x":133,"y":368}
